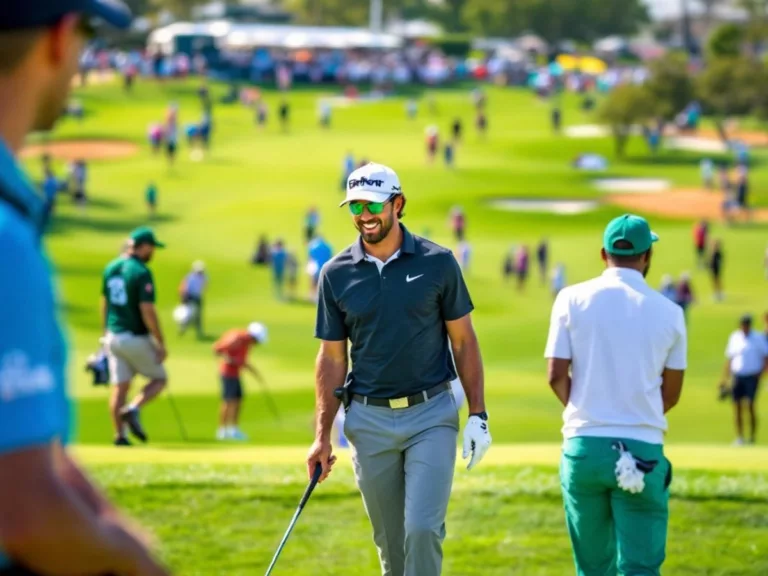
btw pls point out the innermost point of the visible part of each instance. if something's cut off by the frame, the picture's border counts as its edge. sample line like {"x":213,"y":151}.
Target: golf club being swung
{"x":178,"y":416}
{"x":307,"y":493}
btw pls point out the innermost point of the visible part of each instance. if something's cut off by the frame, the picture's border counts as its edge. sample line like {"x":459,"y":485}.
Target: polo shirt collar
{"x":625,"y":274}
{"x":408,"y":246}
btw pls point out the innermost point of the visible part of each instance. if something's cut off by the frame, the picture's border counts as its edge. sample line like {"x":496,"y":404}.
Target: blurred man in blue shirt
{"x":53,"y":521}
{"x":319,"y":253}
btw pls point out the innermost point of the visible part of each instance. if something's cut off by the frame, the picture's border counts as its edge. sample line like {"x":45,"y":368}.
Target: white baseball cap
{"x":198,"y":266}
{"x":258,"y":331}
{"x":372,"y":183}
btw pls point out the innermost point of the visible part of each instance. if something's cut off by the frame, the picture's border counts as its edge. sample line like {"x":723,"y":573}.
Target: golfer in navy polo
{"x":53,"y":521}
{"x":401,"y":302}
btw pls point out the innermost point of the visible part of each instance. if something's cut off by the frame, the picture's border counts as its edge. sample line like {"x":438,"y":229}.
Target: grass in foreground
{"x":505,"y":520}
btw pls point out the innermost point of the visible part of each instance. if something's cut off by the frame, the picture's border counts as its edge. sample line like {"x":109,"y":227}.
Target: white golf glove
{"x":477,"y":440}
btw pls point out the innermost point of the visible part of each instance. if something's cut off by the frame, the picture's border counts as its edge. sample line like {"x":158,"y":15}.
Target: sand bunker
{"x":587,"y":131}
{"x":696,"y":144}
{"x":561,"y":207}
{"x":684,"y":203}
{"x":82,"y":149}
{"x":631,"y":185}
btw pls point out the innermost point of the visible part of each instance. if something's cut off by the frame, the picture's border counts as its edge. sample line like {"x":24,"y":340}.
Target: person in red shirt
{"x":233,"y":349}
{"x":700,"y":237}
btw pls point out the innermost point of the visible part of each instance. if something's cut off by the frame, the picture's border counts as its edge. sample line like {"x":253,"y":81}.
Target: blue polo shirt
{"x":34,"y":409}
{"x":395,"y":319}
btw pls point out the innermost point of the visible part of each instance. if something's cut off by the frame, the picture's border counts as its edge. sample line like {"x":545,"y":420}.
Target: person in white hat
{"x":233,"y":349}
{"x":400,"y":301}
{"x":191,"y":292}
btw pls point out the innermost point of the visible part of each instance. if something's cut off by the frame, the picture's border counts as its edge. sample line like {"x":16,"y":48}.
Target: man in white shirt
{"x":191,"y":290}
{"x":617,"y":354}
{"x":746,"y":360}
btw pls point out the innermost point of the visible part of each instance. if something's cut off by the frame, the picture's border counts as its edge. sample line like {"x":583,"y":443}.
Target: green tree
{"x":626,"y":106}
{"x":726,"y":41}
{"x":728,"y":87}
{"x":554,"y":20}
{"x":670,"y":85}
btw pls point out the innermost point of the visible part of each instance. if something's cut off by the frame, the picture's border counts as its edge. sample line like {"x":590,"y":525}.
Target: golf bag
{"x":185,"y":314}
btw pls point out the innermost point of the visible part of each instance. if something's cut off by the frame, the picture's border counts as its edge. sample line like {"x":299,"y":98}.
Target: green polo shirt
{"x":395,"y":320}
{"x":127,"y":283}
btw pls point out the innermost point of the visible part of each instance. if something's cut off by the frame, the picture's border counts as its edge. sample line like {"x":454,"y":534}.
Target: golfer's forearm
{"x":562,"y":389}
{"x":71,"y":474}
{"x":469,"y":364}
{"x":55,"y":533}
{"x":329,"y":375}
{"x":149,"y":315}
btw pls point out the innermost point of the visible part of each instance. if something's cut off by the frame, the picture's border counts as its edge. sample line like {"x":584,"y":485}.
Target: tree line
{"x":554,"y":20}
{"x":732,"y":80}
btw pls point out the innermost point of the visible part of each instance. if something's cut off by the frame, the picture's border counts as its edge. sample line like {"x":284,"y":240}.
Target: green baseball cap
{"x":145,"y":235}
{"x":632,"y":229}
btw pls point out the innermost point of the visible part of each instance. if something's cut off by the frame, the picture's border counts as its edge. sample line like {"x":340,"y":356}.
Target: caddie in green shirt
{"x":133,"y":338}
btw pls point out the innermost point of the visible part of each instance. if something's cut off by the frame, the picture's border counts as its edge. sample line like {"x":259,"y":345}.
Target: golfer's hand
{"x":477,"y":440}
{"x":321,"y":452}
{"x":162,"y":353}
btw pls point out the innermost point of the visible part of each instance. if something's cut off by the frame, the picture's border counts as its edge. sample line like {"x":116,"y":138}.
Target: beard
{"x":377,"y":234}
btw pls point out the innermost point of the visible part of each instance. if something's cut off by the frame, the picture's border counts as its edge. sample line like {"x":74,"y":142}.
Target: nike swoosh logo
{"x":409,"y":279}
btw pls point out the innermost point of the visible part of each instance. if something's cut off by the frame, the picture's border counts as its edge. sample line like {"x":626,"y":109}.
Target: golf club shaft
{"x":307,"y":493}
{"x":178,"y":416}
{"x":283,"y":541}
{"x":270,"y":400}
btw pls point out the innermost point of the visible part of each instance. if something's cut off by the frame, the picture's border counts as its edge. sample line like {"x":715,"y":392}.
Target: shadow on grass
{"x":64,"y":223}
{"x":692,"y":160}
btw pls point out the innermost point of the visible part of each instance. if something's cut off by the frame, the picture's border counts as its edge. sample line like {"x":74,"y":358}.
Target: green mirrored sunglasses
{"x":374,"y":208}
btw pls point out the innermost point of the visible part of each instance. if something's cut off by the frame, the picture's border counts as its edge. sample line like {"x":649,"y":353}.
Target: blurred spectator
{"x":262,"y":254}
{"x":458,"y":223}
{"x":521,"y":266}
{"x":668,"y":288}
{"x":716,"y":269}
{"x":463,"y":255}
{"x":542,"y":258}
{"x":707,"y":173}
{"x":278,"y":260}
{"x":684,"y":295}
{"x":508,"y":270}
{"x":151,"y":198}
{"x":311,"y":222}
{"x":700,"y":241}
{"x":456,"y":128}
{"x":558,"y":279}
{"x":319,"y":252}
{"x":448,"y":154}
{"x":433,"y":140}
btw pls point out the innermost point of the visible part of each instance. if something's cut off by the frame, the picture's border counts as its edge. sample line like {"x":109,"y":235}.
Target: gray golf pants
{"x":404,"y":461}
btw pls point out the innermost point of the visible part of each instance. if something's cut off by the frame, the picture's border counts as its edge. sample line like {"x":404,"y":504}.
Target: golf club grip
{"x":315,"y":477}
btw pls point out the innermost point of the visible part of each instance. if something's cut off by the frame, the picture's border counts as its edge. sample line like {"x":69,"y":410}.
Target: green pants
{"x":613,"y":531}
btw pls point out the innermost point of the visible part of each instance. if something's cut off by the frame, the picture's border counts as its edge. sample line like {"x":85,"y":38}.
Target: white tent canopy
{"x":230,"y":35}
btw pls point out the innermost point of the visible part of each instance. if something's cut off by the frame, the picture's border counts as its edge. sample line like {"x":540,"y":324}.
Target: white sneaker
{"x":236,"y":434}
{"x":221,"y":434}
{"x":738,"y":442}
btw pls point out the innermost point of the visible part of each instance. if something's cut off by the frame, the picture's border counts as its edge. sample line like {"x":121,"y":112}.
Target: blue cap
{"x":20,"y":14}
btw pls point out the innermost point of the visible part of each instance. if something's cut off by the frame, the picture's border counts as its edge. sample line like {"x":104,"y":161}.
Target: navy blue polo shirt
{"x":395,"y":320}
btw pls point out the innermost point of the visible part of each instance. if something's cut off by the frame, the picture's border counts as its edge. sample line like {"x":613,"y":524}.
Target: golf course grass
{"x":221,"y":510}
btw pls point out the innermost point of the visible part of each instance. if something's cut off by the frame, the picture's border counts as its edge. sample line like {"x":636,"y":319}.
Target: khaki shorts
{"x":129,"y":355}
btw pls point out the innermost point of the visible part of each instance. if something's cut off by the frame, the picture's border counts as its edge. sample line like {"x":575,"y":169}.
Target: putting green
{"x":704,"y":457}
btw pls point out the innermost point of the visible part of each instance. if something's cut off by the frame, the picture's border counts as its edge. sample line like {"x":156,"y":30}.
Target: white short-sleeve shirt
{"x":746,"y":353}
{"x":620,"y":335}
